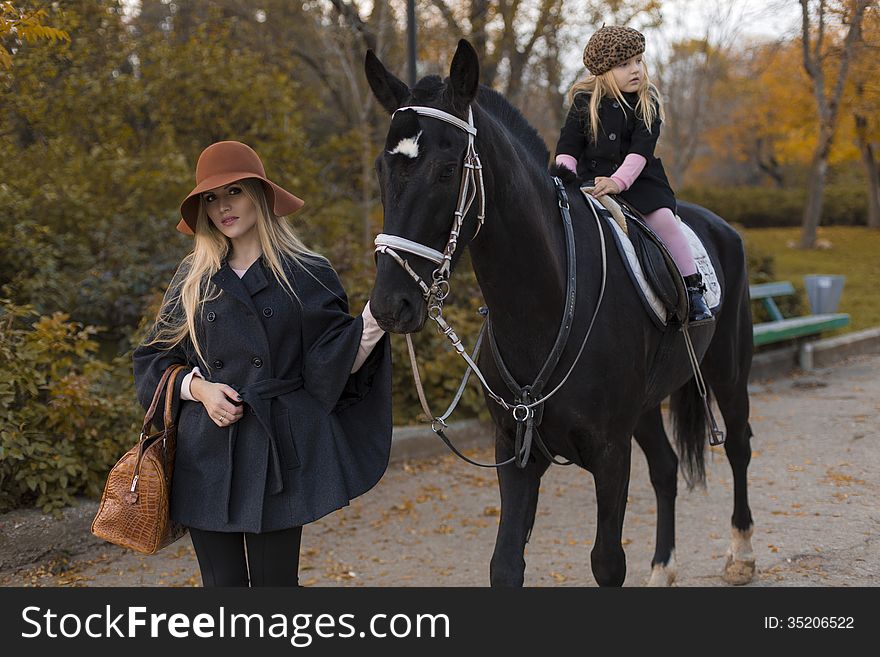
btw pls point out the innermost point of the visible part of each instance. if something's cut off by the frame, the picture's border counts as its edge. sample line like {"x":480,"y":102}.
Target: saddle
{"x":665,"y":297}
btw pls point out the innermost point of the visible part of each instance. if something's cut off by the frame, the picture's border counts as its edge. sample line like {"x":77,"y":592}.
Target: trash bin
{"x":823,"y":291}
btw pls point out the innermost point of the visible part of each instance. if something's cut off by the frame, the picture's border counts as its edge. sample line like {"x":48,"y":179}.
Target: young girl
{"x":609,"y":138}
{"x":285,"y":412}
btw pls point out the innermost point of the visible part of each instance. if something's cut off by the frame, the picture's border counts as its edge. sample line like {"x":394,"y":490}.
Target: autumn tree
{"x":690,"y":79}
{"x":766,"y":120}
{"x":829,"y":34}
{"x":695,"y":78}
{"x":97,"y":143}
{"x":25,"y":23}
{"x":866,"y":110}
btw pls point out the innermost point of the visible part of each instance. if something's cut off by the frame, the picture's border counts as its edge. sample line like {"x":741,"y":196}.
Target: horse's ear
{"x":464,"y":75}
{"x":389,"y":91}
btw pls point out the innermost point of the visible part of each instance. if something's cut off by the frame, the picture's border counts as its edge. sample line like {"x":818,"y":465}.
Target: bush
{"x":66,"y":415}
{"x":765,"y":207}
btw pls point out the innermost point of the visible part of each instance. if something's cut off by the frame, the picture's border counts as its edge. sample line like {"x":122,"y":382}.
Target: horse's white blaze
{"x":408,"y":146}
{"x":664,"y":575}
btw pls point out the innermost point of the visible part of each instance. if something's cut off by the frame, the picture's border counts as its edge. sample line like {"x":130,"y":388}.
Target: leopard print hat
{"x":611,"y":46}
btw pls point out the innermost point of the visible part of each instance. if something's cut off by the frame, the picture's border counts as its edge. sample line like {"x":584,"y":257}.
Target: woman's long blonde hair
{"x":192,"y":286}
{"x":647,"y":109}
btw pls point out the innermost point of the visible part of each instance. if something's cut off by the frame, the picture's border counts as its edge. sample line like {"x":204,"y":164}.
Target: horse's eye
{"x":448,"y":172}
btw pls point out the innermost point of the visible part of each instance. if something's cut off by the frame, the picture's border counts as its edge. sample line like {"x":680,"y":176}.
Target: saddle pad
{"x":712,"y":295}
{"x":655,"y":307}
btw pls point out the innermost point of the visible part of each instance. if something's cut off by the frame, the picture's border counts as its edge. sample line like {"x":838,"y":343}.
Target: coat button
{"x":218,"y":363}
{"x":615,"y":105}
{"x":268,"y":312}
{"x":593,"y":164}
{"x":612,"y":136}
{"x":211,"y":316}
{"x":258,"y":362}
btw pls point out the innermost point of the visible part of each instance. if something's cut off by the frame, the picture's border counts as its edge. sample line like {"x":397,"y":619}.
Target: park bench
{"x":779,"y":328}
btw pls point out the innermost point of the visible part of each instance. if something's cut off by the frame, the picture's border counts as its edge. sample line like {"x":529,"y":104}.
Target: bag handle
{"x":170,"y":373}
{"x":169,"y":396}
{"x":166,"y":383}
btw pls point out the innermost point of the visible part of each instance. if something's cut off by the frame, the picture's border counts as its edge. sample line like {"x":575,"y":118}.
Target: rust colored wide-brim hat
{"x":225,"y":162}
{"x":611,"y":46}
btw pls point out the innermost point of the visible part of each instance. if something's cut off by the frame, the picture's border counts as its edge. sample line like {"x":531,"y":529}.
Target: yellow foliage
{"x":771,"y":107}
{"x":27,"y":26}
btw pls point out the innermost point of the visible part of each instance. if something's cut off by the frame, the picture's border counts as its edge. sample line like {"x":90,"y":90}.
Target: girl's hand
{"x":221,"y":402}
{"x":604,"y":186}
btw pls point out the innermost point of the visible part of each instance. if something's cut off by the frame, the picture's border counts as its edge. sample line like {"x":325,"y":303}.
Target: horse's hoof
{"x":738,"y":572}
{"x":663,"y":575}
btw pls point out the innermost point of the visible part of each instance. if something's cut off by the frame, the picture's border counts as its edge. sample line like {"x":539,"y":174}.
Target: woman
{"x":285,"y":412}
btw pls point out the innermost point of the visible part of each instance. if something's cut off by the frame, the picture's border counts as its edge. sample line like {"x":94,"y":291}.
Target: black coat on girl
{"x":620,"y":133}
{"x":313,"y":436}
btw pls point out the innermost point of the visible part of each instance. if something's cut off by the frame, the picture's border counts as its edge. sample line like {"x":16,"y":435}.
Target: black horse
{"x":629,"y":365}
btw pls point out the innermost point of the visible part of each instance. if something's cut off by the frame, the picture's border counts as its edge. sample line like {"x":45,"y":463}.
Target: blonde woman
{"x":609,"y":137}
{"x":285,"y":411}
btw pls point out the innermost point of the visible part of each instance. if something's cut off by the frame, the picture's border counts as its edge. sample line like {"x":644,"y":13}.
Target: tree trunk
{"x":873,"y":186}
{"x":872,"y":175}
{"x":479,"y":36}
{"x":827,"y":106}
{"x":815,"y":194}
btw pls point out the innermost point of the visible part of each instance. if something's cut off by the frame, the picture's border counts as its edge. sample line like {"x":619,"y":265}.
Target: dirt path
{"x":814,"y":489}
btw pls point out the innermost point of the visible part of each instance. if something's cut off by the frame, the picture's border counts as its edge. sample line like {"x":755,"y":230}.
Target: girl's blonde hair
{"x":648,"y":106}
{"x":192,"y":286}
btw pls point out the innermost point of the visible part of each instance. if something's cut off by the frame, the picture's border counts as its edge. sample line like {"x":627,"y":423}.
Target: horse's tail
{"x":691,"y":431}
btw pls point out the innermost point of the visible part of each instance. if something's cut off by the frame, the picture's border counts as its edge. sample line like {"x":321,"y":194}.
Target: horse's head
{"x":427,"y":156}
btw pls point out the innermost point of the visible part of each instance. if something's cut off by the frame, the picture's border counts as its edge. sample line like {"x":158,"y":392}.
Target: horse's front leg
{"x":610,"y":468}
{"x":519,"y":500}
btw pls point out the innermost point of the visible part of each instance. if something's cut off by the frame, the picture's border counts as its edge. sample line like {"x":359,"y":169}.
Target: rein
{"x":527,"y":398}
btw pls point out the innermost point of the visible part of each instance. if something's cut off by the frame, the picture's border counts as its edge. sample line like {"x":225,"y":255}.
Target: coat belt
{"x":258,"y":396}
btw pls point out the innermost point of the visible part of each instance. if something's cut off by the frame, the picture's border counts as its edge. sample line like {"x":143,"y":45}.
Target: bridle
{"x":528,"y":398}
{"x":471,"y":187}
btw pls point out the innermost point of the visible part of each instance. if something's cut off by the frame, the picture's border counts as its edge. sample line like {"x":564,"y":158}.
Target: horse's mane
{"x":515,"y":123}
{"x":431,"y":88}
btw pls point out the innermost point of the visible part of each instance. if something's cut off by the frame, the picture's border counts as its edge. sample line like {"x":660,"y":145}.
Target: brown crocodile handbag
{"x":134,"y":507}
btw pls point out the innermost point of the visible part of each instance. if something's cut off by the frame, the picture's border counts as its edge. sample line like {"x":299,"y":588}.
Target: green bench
{"x":780,"y":329}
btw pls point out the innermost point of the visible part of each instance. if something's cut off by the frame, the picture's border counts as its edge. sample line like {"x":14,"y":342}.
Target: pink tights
{"x":664,"y":223}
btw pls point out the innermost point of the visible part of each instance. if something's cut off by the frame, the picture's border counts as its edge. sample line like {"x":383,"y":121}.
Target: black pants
{"x":272,"y":558}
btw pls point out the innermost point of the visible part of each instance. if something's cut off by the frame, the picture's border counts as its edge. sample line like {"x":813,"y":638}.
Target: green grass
{"x":854,"y":252}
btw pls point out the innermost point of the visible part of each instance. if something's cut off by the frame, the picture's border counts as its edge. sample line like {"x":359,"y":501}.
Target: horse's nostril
{"x":402,"y":309}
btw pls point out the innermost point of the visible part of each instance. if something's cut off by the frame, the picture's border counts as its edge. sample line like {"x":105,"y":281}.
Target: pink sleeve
{"x":567,"y":161}
{"x":626,"y":175}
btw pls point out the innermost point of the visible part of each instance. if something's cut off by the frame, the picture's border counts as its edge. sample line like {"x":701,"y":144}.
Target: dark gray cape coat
{"x":313,"y":436}
{"x":620,"y":133}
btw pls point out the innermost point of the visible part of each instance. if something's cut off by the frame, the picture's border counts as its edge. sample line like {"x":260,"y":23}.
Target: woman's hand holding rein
{"x":222,"y":402}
